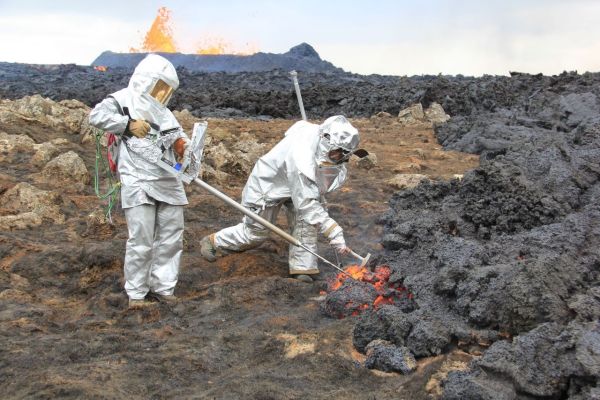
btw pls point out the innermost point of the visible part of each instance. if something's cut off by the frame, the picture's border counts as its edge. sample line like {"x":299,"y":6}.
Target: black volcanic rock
{"x":386,"y":356}
{"x":513,"y":247}
{"x":271,"y":93}
{"x":301,"y":58}
{"x":511,"y":251}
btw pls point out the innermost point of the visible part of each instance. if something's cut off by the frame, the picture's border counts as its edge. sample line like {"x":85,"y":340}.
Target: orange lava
{"x":379,"y":278}
{"x":160,"y":38}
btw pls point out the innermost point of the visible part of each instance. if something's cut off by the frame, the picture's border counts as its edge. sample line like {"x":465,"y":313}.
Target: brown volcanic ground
{"x":242,"y":330}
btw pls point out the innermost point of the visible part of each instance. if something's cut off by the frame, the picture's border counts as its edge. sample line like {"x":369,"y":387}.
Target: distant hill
{"x":300,"y":58}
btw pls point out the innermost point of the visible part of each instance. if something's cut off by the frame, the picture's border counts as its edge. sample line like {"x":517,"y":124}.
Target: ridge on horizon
{"x":302,"y":57}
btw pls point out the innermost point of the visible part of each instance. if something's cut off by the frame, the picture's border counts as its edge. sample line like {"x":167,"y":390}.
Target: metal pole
{"x":264,"y":222}
{"x":294,"y":75}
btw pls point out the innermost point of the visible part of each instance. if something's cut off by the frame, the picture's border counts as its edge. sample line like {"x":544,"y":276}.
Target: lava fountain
{"x":160,"y":39}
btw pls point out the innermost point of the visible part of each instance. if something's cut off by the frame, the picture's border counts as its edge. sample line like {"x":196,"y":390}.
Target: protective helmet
{"x":155,"y":76}
{"x":338,"y":135}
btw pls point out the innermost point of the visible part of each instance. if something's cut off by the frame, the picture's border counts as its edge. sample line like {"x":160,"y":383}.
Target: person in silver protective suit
{"x":307,"y":163}
{"x":153,"y":199}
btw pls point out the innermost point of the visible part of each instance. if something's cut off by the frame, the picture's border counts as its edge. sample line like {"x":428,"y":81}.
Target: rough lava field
{"x":484,"y":230}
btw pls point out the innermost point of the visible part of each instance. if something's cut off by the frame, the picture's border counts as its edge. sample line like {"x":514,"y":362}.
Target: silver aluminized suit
{"x":153,"y":199}
{"x":295,"y":174}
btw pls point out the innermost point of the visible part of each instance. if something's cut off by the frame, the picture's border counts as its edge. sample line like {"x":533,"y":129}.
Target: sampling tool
{"x":363,"y":260}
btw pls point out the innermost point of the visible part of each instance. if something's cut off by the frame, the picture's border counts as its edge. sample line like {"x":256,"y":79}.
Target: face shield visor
{"x":331,"y":155}
{"x":339,"y":155}
{"x":161,"y":92}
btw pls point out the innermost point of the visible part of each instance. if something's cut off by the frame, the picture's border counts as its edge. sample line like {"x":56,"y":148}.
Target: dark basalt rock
{"x":514,"y":246}
{"x":517,"y":106}
{"x":512,"y":249}
{"x":477,"y":386}
{"x":351,"y":298}
{"x":388,"y":357}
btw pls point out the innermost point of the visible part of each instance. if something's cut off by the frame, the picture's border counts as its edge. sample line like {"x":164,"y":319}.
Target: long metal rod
{"x":289,"y":238}
{"x":294,"y":75}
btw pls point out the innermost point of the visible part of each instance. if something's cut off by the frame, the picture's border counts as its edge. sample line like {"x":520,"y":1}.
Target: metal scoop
{"x":363,"y":260}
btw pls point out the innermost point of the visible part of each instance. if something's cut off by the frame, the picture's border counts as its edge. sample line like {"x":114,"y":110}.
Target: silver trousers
{"x":153,"y":249}
{"x":249,"y":234}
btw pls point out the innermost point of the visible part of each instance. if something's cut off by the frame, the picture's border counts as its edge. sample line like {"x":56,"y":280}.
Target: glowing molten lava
{"x":214,"y":46}
{"x":387,"y":292}
{"x":218,"y":45}
{"x":354,"y":271}
{"x":159,"y":38}
{"x":378,"y":278}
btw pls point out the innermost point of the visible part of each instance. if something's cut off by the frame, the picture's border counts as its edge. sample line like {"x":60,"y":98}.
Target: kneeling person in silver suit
{"x":305,"y":165}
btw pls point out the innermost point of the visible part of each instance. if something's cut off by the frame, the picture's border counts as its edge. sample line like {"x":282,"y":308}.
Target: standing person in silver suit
{"x":152,"y":198}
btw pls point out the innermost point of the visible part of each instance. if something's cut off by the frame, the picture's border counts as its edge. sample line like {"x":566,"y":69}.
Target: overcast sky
{"x":385,"y":37}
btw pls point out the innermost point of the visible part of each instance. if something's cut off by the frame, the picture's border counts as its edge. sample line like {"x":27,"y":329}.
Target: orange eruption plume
{"x":217,"y":45}
{"x":214,"y":46}
{"x":159,"y":38}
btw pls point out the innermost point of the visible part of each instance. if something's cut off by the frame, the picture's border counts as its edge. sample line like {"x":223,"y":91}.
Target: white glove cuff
{"x":339,"y":242}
